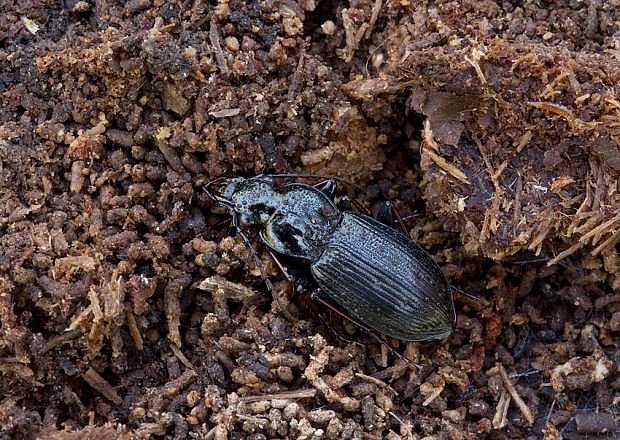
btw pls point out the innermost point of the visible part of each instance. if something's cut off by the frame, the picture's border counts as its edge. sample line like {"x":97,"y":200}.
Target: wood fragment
{"x":516,"y":216}
{"x":501,"y":411}
{"x":525,"y":139}
{"x":583,"y":208}
{"x":565,"y":253}
{"x":57,"y":341}
{"x":96,"y":381}
{"x":427,"y":148}
{"x":81,"y":318}
{"x":113,"y":295}
{"x":214,"y":38}
{"x":296,"y":81}
{"x":521,"y":60}
{"x":433,"y":396}
{"x":284,"y":395}
{"x":180,"y":356}
{"x":600,"y":229}
{"x":174,"y":387}
{"x":601,"y":185}
{"x":476,"y":56}
{"x":228,"y":289}
{"x":377,"y":382}
{"x":607,"y":244}
{"x":134,"y":331}
{"x":376,"y":8}
{"x":96,"y":306}
{"x":352,"y":37}
{"x":515,"y":396}
{"x":500,"y":170}
{"x":541,"y":233}
{"x":595,"y":423}
{"x":594,"y":219}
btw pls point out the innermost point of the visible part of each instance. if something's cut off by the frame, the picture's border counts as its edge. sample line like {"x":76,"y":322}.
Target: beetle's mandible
{"x":372,"y":271}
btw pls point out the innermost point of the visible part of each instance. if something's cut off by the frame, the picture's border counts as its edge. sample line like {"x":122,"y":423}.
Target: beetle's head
{"x":252,"y":200}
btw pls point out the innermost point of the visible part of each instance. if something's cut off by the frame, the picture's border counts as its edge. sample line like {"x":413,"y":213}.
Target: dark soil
{"x":128,"y":307}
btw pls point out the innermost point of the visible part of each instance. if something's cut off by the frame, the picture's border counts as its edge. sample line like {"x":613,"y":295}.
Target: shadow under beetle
{"x":371,"y":271}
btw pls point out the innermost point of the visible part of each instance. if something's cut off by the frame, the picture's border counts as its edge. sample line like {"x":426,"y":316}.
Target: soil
{"x":130,"y":309}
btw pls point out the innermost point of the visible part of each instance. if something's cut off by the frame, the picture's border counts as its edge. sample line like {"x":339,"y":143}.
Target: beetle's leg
{"x":316,"y":296}
{"x":386,"y":215}
{"x":259,"y":264}
{"x":347,"y":203}
{"x":337,"y":334}
{"x":282,"y":268}
{"x":327,"y":187}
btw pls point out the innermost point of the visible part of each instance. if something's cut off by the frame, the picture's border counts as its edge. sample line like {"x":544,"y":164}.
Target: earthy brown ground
{"x":493,"y":126}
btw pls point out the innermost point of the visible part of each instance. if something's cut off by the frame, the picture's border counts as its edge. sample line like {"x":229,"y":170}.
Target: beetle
{"x":375,"y":274}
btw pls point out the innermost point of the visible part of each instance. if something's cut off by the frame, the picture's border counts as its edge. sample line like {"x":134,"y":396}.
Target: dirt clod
{"x":129,"y":308}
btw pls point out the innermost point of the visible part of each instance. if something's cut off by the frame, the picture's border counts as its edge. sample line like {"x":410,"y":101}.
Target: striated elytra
{"x":371,"y":271}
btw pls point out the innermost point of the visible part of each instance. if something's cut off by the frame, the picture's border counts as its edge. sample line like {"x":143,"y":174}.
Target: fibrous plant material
{"x":491,"y":126}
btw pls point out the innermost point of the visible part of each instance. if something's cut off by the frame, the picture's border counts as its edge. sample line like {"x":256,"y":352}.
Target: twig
{"x":57,"y":341}
{"x":377,"y":382}
{"x":433,"y":396}
{"x":214,"y":38}
{"x":565,"y":253}
{"x":501,"y":411}
{"x":96,"y":381}
{"x":429,"y":145}
{"x":284,"y":395}
{"x":376,"y":8}
{"x":515,"y":396}
{"x":180,"y":356}
{"x":134,"y":331}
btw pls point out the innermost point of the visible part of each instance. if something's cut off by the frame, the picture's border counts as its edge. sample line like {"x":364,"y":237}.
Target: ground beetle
{"x":371,"y":271}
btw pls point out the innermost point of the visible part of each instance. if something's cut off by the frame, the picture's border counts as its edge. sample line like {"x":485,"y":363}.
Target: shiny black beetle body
{"x":371,"y":271}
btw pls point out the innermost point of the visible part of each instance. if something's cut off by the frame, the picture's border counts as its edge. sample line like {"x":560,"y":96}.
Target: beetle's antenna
{"x":315,"y":176}
{"x":261,"y":267}
{"x":462,"y":292}
{"x":211,"y":182}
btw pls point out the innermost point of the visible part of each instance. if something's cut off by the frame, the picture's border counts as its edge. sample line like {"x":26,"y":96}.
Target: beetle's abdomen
{"x":386,"y":280}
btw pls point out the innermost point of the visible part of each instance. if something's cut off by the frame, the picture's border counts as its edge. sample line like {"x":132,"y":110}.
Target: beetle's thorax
{"x":302,"y":224}
{"x":295,"y":220}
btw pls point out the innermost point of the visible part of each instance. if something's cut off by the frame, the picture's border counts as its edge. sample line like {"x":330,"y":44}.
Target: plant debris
{"x":128,"y":308}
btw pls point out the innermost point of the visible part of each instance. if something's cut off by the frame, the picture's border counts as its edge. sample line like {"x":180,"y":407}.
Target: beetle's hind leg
{"x":388,"y":213}
{"x":320,"y":297}
{"x":348,"y":203}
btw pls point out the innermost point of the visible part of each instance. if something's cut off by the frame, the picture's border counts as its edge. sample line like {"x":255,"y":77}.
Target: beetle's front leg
{"x":327,"y":187}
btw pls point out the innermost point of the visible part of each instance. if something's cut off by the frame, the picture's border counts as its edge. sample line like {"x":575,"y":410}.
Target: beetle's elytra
{"x":370,"y":270}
